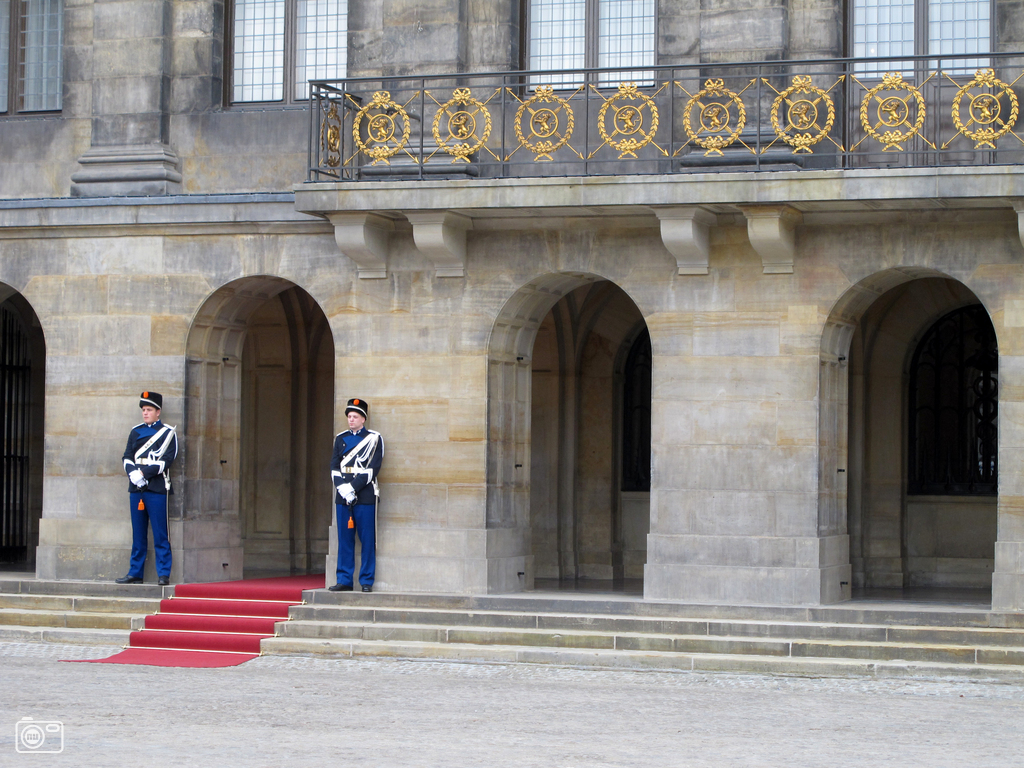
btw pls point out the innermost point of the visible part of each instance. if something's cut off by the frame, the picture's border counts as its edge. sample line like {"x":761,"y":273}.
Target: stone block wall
{"x":740,"y":476}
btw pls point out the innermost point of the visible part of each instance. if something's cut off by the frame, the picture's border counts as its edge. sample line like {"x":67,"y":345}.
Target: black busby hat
{"x":359,"y":406}
{"x":151,"y":398}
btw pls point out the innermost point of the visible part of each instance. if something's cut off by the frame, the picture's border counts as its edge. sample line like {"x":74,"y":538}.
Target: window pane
{"x":42,"y":23}
{"x":5,"y":51}
{"x":321,"y":42}
{"x":880,"y":28}
{"x":948,"y":32}
{"x":625,"y":38}
{"x":557,"y":39}
{"x":258,"y":50}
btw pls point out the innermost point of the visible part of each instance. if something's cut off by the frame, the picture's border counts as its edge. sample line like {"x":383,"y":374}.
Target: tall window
{"x":919,"y":27}
{"x":278,"y":46}
{"x":31,"y":33}
{"x":573,"y":34}
{"x":953,"y":407}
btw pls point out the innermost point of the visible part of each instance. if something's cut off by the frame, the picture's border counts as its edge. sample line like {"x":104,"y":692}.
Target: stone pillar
{"x":735,"y":463}
{"x":1008,"y":576}
{"x":423,"y":37}
{"x":131,"y":55}
{"x":743,"y":30}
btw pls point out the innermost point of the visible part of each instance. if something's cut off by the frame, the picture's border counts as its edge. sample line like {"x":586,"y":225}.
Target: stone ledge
{"x":598,"y":196}
{"x":185,"y":214}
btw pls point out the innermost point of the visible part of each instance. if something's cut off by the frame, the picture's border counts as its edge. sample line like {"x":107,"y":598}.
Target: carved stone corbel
{"x":684,"y":231}
{"x":772,"y":233}
{"x":441,"y":237}
{"x":364,"y":238}
{"x":1018,"y":206}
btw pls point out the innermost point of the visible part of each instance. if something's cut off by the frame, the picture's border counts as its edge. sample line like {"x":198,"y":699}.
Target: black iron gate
{"x":15,"y":414}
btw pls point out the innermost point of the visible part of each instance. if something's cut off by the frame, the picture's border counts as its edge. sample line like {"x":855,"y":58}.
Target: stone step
{"x":67,"y":635}
{"x":10,"y":586}
{"x":643,"y":642}
{"x":79,"y":603}
{"x":70,"y":618}
{"x":643,"y":660}
{"x":973,"y":636}
{"x":915,"y":615}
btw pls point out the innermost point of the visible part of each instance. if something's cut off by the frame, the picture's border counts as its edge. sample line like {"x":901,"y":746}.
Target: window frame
{"x":289,"y":100}
{"x":16,"y":63}
{"x":591,"y":32}
{"x":921,"y":39}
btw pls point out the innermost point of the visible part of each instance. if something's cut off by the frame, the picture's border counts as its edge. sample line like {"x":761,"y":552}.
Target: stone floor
{"x":296,"y":711}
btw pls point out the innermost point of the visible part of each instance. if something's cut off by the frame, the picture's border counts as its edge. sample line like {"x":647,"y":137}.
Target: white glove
{"x":347,"y":492}
{"x":137,"y":478}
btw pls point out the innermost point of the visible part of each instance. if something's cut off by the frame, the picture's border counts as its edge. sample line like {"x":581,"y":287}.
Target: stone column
{"x":735,"y":462}
{"x":1008,"y":578}
{"x":743,"y":30}
{"x":130,"y":152}
{"x":423,"y":37}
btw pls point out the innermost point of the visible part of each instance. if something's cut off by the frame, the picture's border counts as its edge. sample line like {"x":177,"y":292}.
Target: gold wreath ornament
{"x":330,"y":137}
{"x":804,"y":104}
{"x":546,"y":133}
{"x":459,"y":137}
{"x":380,"y":115}
{"x":628,"y":120}
{"x":893,"y":112}
{"x":985,"y":109}
{"x":717,"y":128}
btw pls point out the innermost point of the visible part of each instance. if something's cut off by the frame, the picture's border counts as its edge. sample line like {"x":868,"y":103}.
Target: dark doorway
{"x":591,"y":441}
{"x":22,"y":355}
{"x":260,"y":418}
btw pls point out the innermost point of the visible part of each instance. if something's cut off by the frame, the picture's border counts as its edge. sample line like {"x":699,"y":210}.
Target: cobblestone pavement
{"x":296,"y":711}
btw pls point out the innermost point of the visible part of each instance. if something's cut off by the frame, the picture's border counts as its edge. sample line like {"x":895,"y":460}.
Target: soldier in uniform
{"x":151,"y":448}
{"x":358,"y":453}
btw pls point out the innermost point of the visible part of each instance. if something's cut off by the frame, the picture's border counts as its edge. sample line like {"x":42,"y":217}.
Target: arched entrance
{"x":22,"y":382}
{"x":919,"y":403}
{"x":259,"y":422}
{"x":569,"y":383}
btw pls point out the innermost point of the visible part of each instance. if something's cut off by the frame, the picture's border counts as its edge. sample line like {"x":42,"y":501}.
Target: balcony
{"x":917,"y":112}
{"x":684,"y":149}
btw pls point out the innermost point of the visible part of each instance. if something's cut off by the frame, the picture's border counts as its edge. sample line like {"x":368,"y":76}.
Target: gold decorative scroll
{"x":546,"y":132}
{"x":384,"y":118}
{"x":719,"y":115}
{"x":802,"y":105}
{"x":330,"y":135}
{"x":991,"y":109}
{"x":461,"y":125}
{"x":634,"y":114}
{"x":895,"y":103}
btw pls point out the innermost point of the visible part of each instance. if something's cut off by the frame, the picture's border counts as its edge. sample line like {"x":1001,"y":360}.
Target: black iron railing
{"x":837,"y":113}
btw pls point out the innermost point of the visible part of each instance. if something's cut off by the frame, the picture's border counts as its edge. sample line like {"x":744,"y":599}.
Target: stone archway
{"x":555,"y":385}
{"x":22,"y":399}
{"x":259,"y":418}
{"x":899,"y":537}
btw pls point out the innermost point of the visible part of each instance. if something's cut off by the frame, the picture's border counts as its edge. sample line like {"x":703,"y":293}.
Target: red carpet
{"x":214,"y":625}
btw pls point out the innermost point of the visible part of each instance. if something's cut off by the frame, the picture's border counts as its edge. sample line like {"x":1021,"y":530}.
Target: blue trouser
{"x":154,"y":513}
{"x":366,"y":527}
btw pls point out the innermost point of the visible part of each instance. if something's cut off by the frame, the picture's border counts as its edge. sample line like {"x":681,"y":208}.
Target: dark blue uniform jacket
{"x":366,"y":463}
{"x":154,"y":472}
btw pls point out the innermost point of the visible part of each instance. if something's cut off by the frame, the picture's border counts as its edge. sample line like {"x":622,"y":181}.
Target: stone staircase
{"x":847,"y":640}
{"x":87,"y":612}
